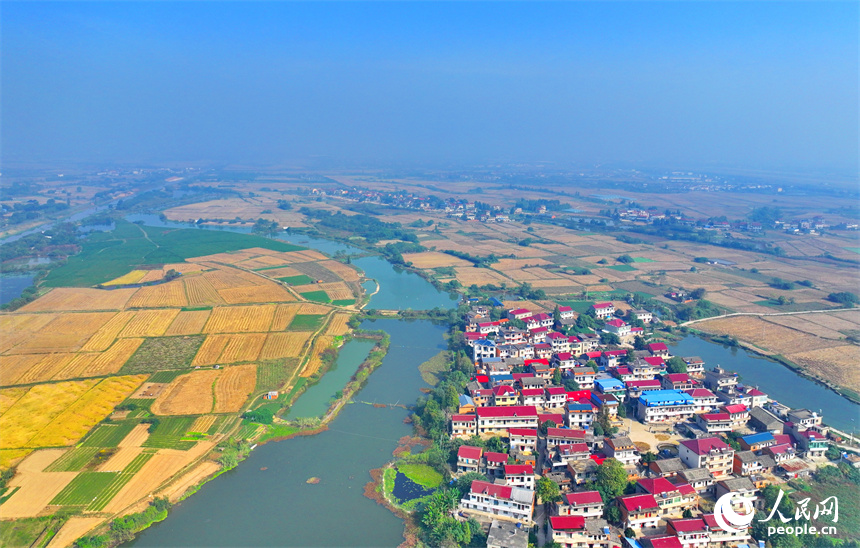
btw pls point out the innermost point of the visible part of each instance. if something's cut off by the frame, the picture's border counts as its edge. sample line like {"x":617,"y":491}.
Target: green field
{"x":27,"y":531}
{"x":316,"y":296}
{"x":343,"y":302}
{"x":622,"y":268}
{"x":305,"y":322}
{"x":119,"y":480}
{"x":271,"y":375}
{"x":433,"y":370}
{"x":793,"y":307}
{"x":165,"y":376}
{"x":108,"y":255}
{"x":162,"y":352}
{"x":577,"y":306}
{"x":109,"y":435}
{"x":422,"y":474}
{"x":301,"y":279}
{"x":74,"y":460}
{"x":169,"y":433}
{"x":85,"y":487}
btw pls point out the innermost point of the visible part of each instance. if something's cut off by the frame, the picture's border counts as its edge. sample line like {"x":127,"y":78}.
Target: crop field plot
{"x":8,"y":396}
{"x":268,"y":292}
{"x":160,"y":353}
{"x":317,"y":272}
{"x":306,"y":322}
{"x":226,"y":278}
{"x":316,"y":296}
{"x":297,"y":280}
{"x":171,"y":293}
{"x":763,"y":334}
{"x":106,"y":335}
{"x":14,"y":367}
{"x":132,"y":277}
{"x":433,"y":259}
{"x":480,"y":276}
{"x":203,"y":424}
{"x":262,"y":261}
{"x":63,"y":299}
{"x":837,"y":364}
{"x":285,"y":345}
{"x":200,"y":292}
{"x":114,"y":358}
{"x":149,"y":323}
{"x":189,"y":394}
{"x":118,"y":481}
{"x":279,"y":272}
{"x":240,"y":319}
{"x":36,"y":488}
{"x":233,"y":387}
{"x":188,"y":322}
{"x":271,"y":375}
{"x":151,"y":390}
{"x":314,"y":309}
{"x":109,"y":435}
{"x":338,"y":325}
{"x":84,"y":489}
{"x":74,"y":460}
{"x":169,"y":433}
{"x":210,"y":350}
{"x":242,"y":347}
{"x":138,"y":435}
{"x":64,"y":333}
{"x":284,"y":314}
{"x":346,"y":272}
{"x":73,"y":529}
{"x":322,"y":343}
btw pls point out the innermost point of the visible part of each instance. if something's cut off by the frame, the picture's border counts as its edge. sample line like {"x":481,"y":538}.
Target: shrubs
{"x":123,"y":529}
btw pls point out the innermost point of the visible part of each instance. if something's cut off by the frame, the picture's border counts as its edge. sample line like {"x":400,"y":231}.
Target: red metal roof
{"x":463,"y":418}
{"x":656,"y":486}
{"x":642,"y":384}
{"x":504,"y":390}
{"x":687,"y":525}
{"x":633,"y":502}
{"x":737,"y":408}
{"x":482,"y":379}
{"x":716,"y":416}
{"x":469,"y":452}
{"x":565,"y":309}
{"x":564,"y":356}
{"x":522,"y":432}
{"x":602,"y":305}
{"x":704,"y":445}
{"x":657,"y":346}
{"x":571,"y":448}
{"x":496,"y":457}
{"x":539,"y":361}
{"x":559,"y":523}
{"x":664,"y":542}
{"x":609,"y":353}
{"x":700,"y":393}
{"x":519,"y":311}
{"x":617,"y":322}
{"x":653,"y":360}
{"x":583,"y":498}
{"x":509,"y":411}
{"x":518,"y":469}
{"x":555,"y":390}
{"x":594,"y":354}
{"x":492,"y":489}
{"x":675,"y":377}
{"x":557,"y":418}
{"x":577,"y":395}
{"x":565,"y":433}
{"x":532,"y":392}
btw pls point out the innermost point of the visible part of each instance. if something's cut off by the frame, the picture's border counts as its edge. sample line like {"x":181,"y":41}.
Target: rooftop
{"x":665,"y":397}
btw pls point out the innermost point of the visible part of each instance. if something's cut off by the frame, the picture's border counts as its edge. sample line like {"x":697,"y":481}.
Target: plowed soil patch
{"x":72,"y":530}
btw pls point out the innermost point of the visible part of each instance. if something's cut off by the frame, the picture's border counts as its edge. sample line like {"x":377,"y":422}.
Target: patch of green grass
{"x":642,"y":260}
{"x":74,"y":460}
{"x":161,"y":352}
{"x":432,"y":371}
{"x":120,"y":479}
{"x":300,"y":383}
{"x":85,"y":487}
{"x":247,"y":430}
{"x":105,"y":256}
{"x":301,"y":279}
{"x":794,"y":307}
{"x":305,"y":322}
{"x":169,"y":432}
{"x":164,"y":376}
{"x":109,"y":435}
{"x":422,"y":474}
{"x":271,"y":375}
{"x":343,"y":302}
{"x":316,"y":296}
{"x":622,"y":268}
{"x":279,"y":431}
{"x":26,"y":531}
{"x":577,"y":306}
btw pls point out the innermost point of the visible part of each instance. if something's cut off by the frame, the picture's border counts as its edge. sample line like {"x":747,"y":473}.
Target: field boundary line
{"x":762,"y":314}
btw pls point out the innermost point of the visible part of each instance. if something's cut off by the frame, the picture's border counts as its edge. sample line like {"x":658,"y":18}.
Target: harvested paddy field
{"x":233,"y":387}
{"x":200,"y":292}
{"x":764,"y":334}
{"x":240,"y":319}
{"x":157,"y":296}
{"x":434,"y":259}
{"x":63,"y":299}
{"x":189,"y":322}
{"x":189,"y":394}
{"x":36,"y":488}
{"x":72,"y":530}
{"x":285,"y":345}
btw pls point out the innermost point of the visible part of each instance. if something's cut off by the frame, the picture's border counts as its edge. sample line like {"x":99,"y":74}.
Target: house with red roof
{"x":714,"y":423}
{"x":624,"y":374}
{"x":559,"y":342}
{"x":485,"y":328}
{"x":482,"y":397}
{"x":563,"y":360}
{"x":543,"y":350}
{"x":678,"y":381}
{"x":575,"y":531}
{"x":704,"y":400}
{"x":503,"y":502}
{"x":721,"y":537}
{"x":463,"y":426}
{"x":519,"y":313}
{"x":635,"y":388}
{"x":587,"y":504}
{"x":611,"y":358}
{"x":672,"y":498}
{"x":523,"y":440}
{"x":505,"y":395}
{"x":577,"y":346}
{"x":540,"y":367}
{"x":556,"y":396}
{"x":562,"y":436}
{"x":494,"y":421}
{"x":532,"y":396}
{"x":739,"y":413}
{"x":469,"y":459}
{"x":520,"y":475}
{"x":639,"y":511}
{"x":660,"y":541}
{"x":692,"y":532}
{"x":780,"y":452}
{"x":566,"y":313}
{"x":617,"y":326}
{"x":537,"y":335}
{"x":710,"y":453}
{"x":494,"y":464}
{"x":557,"y":418}
{"x":658,"y":349}
{"x":603,"y":310}
{"x":566,"y":453}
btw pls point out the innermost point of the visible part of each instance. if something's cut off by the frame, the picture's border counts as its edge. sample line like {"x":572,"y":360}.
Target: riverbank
{"x":798,"y":370}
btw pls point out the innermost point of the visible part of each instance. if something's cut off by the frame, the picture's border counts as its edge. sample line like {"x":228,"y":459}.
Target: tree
{"x":547,"y":490}
{"x":546,"y":425}
{"x":625,"y":259}
{"x":630,"y":356}
{"x":592,"y":364}
{"x":845,"y":298}
{"x":639,"y":343}
{"x":676,"y":365}
{"x":613,"y":515}
{"x":464,"y":482}
{"x":609,"y":338}
{"x":648,"y":457}
{"x":629,"y":533}
{"x":622,"y":411}
{"x":697,"y":293}
{"x":610,"y":479}
{"x":833,"y":452}
{"x":497,"y":445}
{"x":556,"y":376}
{"x":570,"y":384}
{"x":687,"y":513}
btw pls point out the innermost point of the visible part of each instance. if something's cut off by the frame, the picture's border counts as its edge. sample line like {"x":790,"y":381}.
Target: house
{"x":618,"y":326}
{"x":503,"y":534}
{"x":540,"y":367}
{"x":469,"y":459}
{"x":722,"y":537}
{"x":494,"y":464}
{"x":747,"y":463}
{"x":666,"y":468}
{"x":497,"y":420}
{"x":704,"y":400}
{"x":611,"y":358}
{"x":678,"y":381}
{"x":463,"y":426}
{"x":607,"y":403}
{"x":576,"y":345}
{"x":671,"y":498}
{"x":502,"y":502}
{"x":563,"y":436}
{"x":555,"y":396}
{"x":738,"y":413}
{"x":485,"y":328}
{"x":642,"y":315}
{"x":565,"y":454}
{"x":579,"y":415}
{"x":691,"y":532}
{"x":719,"y":379}
{"x":519,"y":313}
{"x":710,"y":453}
{"x":566,"y":313}
{"x":483,"y":348}
{"x":658,"y":349}
{"x":794,"y":468}
{"x":664,"y":406}
{"x":612,"y":386}
{"x":814,"y":443}
{"x":466,"y":404}
{"x":543,"y":350}
{"x":639,"y":511}
{"x":504,"y":395}
{"x":587,"y":504}
{"x":520,"y":475}
{"x":584,"y":376}
{"x":523,"y":439}
{"x":756,"y":397}
{"x":757,"y":442}
{"x":482,"y":397}
{"x":271,"y":395}
{"x":659,"y":541}
{"x":603,"y":310}
{"x":699,"y":479}
{"x":576,"y":532}
{"x":635,"y":388}
{"x":804,"y":418}
{"x":532,"y":396}
{"x":714,"y":423}
{"x":780,"y":452}
{"x":742,"y":487}
{"x":582,"y":471}
{"x":559,"y":342}
{"x":622,"y":449}
{"x":695,"y":365}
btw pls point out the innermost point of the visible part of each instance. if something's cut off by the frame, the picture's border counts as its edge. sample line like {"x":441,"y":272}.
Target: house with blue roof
{"x":579,"y":416}
{"x":611,"y":386}
{"x":661,"y":406}
{"x":483,"y":348}
{"x":757,"y":442}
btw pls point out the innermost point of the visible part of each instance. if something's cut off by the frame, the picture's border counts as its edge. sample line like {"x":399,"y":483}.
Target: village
{"x":569,"y":403}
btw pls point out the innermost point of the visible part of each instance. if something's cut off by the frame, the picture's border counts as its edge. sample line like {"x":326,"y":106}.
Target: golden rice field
{"x":225,"y":279}
{"x":189,"y":394}
{"x":284,"y":314}
{"x":64,"y":333}
{"x":240,"y":319}
{"x":61,"y":413}
{"x":149,"y":323}
{"x":202,"y":424}
{"x":233,"y":387}
{"x":766,"y":335}
{"x":346,"y":272}
{"x":263,"y":293}
{"x":837,"y":364}
{"x":284,"y":272}
{"x":322,"y":343}
{"x":132,"y":277}
{"x":8,"y":397}
{"x":201,"y":292}
{"x":189,"y":322}
{"x":242,"y":347}
{"x":210,"y":350}
{"x":433,"y":259}
{"x":338,"y":324}
{"x":105,"y":336}
{"x":289,"y":344}
{"x":162,"y":295}
{"x":311,"y":308}
{"x":32,"y":368}
{"x":63,"y":299}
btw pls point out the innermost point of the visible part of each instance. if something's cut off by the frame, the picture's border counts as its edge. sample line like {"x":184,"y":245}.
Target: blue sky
{"x":747,"y":84}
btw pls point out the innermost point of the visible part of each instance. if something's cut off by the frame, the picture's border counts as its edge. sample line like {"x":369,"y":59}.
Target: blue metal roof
{"x":609,"y":384}
{"x":758,"y":438}
{"x":664,"y":397}
{"x":466,"y":400}
{"x":496,"y":302}
{"x":485,"y":342}
{"x":578,"y":407}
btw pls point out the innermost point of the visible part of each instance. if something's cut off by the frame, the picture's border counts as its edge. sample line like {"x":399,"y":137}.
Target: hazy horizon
{"x":747,"y":85}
